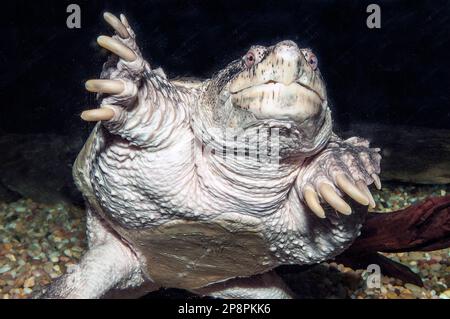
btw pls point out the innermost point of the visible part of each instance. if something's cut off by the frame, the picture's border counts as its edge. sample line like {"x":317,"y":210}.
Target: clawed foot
{"x":344,"y":167}
{"x":120,"y":81}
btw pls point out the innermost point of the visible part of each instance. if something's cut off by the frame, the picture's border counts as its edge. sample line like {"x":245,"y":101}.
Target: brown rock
{"x":416,"y":290}
{"x":391,"y":295}
{"x":29,"y":283}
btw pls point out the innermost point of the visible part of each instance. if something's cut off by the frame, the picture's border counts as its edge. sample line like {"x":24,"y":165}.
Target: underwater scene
{"x":227,"y":150}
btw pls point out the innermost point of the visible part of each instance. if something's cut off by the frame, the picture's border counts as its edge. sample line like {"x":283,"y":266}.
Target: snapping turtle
{"x":209,"y":185}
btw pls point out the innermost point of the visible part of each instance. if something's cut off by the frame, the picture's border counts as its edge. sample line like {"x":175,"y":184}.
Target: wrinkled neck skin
{"x":252,"y":169}
{"x":263,"y":187}
{"x":182,"y":160}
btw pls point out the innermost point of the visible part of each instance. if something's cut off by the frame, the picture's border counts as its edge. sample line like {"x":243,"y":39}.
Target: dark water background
{"x":396,"y":75}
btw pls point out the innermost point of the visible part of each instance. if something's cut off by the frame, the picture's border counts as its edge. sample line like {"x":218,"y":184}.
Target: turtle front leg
{"x":136,"y":101}
{"x":342,"y":168}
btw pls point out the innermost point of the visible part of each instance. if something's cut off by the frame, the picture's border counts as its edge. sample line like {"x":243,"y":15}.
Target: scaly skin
{"x":165,"y":210}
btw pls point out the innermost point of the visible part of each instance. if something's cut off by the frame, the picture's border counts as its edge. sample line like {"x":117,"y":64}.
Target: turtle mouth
{"x":276,"y":100}
{"x":271,"y":86}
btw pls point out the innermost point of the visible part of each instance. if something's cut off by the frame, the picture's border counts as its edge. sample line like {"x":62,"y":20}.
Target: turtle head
{"x":282,"y":82}
{"x":278,"y":86}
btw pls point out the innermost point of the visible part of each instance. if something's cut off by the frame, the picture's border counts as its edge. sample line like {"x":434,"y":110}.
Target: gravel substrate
{"x":38,"y":242}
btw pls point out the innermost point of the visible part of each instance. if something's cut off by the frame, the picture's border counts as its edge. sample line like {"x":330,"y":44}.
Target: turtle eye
{"x":313,"y":61}
{"x":249,"y":59}
{"x":311,"y":58}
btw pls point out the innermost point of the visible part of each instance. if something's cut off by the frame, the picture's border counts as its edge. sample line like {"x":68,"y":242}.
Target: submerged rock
{"x":38,"y":166}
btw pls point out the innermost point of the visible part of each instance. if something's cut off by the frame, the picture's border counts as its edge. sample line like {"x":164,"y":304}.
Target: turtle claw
{"x":312,"y":200}
{"x":363,"y":187}
{"x":333,"y":199}
{"x":116,"y":24}
{"x":376,"y":181}
{"x":124,"y":20}
{"x":121,"y":94}
{"x":105,"y":86}
{"x":117,"y":48}
{"x":348,"y":187}
{"x":102,"y":114}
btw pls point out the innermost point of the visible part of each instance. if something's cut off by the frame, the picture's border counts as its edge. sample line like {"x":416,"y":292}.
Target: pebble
{"x":435,"y":267}
{"x":445,"y":294}
{"x":5,"y":268}
{"x":416,"y":290}
{"x":416,"y":256}
{"x":27,"y":291}
{"x":21,"y":209}
{"x":11,"y":257}
{"x":54,"y":259}
{"x":29,"y":283}
{"x":392,"y":295}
